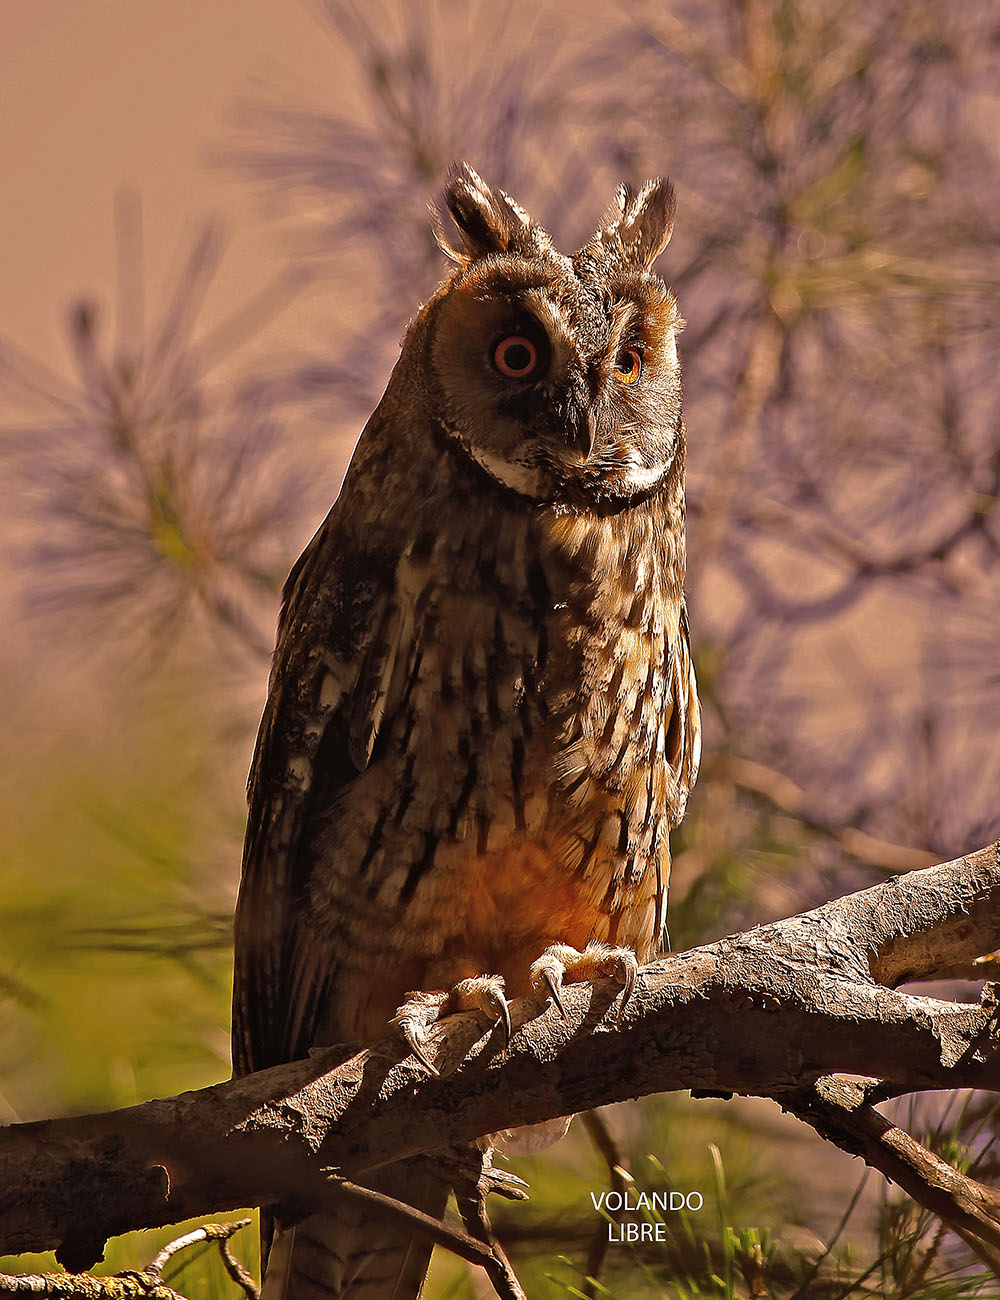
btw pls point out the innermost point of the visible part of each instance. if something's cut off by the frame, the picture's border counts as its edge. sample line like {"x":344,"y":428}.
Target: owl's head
{"x":558,"y":376}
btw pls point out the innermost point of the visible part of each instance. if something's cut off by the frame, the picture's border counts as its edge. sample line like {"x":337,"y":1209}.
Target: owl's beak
{"x":584,"y":431}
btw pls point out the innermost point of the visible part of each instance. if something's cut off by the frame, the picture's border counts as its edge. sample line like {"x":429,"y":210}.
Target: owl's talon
{"x":548,"y":970}
{"x":486,"y":993}
{"x":413,"y":1042}
{"x":598,"y":960}
{"x":414,"y":1018}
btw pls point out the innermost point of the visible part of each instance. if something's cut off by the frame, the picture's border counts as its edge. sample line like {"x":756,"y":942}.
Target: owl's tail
{"x":355,"y":1254}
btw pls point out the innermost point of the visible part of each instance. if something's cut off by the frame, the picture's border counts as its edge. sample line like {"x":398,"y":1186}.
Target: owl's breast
{"x":520,"y":791}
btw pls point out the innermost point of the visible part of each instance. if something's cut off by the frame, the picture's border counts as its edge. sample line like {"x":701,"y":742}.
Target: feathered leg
{"x":358,"y":1254}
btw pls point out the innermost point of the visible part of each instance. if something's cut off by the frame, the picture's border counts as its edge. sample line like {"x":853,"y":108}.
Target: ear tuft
{"x":640,"y":223}
{"x":487,"y":220}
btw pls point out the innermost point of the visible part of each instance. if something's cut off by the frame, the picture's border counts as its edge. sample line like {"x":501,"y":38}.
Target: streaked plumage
{"x":482,"y":720}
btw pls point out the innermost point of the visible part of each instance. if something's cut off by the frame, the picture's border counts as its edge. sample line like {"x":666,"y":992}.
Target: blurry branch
{"x":157,"y":498}
{"x":755,"y":386}
{"x":790,"y":798}
{"x":771,"y":1012}
{"x":865,"y":568}
{"x":205,"y":932}
{"x":678,"y":37}
{"x":771,"y":517}
{"x":147,"y":1283}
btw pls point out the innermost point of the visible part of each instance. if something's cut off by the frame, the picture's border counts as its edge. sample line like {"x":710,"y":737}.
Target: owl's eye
{"x":516,"y":357}
{"x":628,"y":367}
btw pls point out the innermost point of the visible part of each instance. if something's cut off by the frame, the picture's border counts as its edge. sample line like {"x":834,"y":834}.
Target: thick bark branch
{"x":767,"y":1012}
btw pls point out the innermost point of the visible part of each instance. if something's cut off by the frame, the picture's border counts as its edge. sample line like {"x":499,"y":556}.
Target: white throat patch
{"x":525,"y":480}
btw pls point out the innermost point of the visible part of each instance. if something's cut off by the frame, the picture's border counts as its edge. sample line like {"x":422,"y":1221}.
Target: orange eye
{"x":628,"y":367}
{"x":516,"y":357}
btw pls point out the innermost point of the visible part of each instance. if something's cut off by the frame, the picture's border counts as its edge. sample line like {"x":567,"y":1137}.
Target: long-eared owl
{"x":482,"y":721}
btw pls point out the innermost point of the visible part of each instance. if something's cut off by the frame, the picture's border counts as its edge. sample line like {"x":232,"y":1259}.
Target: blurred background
{"x":215,"y":231}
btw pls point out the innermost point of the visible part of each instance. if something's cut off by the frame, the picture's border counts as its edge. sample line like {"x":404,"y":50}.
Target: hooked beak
{"x":583,"y":431}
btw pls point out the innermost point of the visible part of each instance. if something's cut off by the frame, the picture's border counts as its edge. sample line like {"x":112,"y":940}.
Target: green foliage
{"x":116,"y":917}
{"x":720,"y":1256}
{"x":115,"y":891}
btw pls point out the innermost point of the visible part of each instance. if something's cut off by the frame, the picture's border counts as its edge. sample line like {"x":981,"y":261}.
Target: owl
{"x":482,"y":720}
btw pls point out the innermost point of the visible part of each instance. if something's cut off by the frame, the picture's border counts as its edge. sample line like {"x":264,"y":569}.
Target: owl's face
{"x":558,"y":376}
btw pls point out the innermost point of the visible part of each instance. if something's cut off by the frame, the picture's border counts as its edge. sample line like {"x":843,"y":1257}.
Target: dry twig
{"x":147,"y":1284}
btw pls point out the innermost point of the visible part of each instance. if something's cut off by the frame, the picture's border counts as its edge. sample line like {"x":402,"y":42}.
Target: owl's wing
{"x":692,"y":710}
{"x":684,"y":735}
{"x":683,"y":753}
{"x":340,"y":638}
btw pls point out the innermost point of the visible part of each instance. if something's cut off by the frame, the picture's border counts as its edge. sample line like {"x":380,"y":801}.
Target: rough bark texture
{"x":769,"y":1012}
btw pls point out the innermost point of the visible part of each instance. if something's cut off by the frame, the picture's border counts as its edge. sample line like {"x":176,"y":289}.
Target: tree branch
{"x":840,"y":1110}
{"x":769,"y":1012}
{"x":145,"y":1285}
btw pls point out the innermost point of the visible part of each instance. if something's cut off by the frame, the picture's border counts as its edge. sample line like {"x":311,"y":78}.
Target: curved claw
{"x":505,"y":1022}
{"x":412,"y":1019}
{"x":414,"y":1041}
{"x":630,"y":971}
{"x":493,"y":1001}
{"x":553,"y":982}
{"x":547,"y":971}
{"x":485,"y":993}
